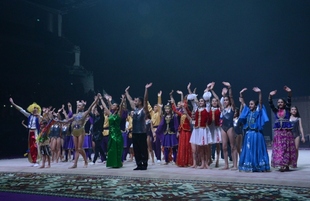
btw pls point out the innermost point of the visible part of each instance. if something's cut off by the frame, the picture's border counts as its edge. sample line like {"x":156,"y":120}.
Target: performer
{"x":106,"y":136}
{"x":87,"y":144}
{"x":44,"y":141}
{"x":33,"y":115}
{"x":150,"y":138}
{"x":254,"y":156}
{"x":167,"y":132}
{"x":184,"y":156}
{"x":55,"y":139}
{"x":228,"y":133}
{"x":78,"y":131}
{"x":215,"y":127}
{"x":115,"y":145}
{"x":97,"y":116}
{"x":129,"y":148}
{"x":138,"y":128}
{"x":68,"y":145}
{"x":124,"y":116}
{"x":156,"y":114}
{"x":238,"y":128}
{"x":283,"y":147}
{"x":297,"y":128}
{"x":201,"y":134}
{"x":192,"y":97}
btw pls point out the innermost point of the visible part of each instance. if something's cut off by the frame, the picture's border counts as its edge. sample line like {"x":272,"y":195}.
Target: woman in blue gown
{"x":254,"y":156}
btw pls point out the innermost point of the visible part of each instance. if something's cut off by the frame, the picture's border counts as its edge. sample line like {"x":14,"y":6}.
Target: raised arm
{"x":171,"y":97}
{"x":272,"y":93}
{"x":27,"y":114}
{"x":15,"y":105}
{"x":181,"y":94}
{"x":104,"y":105}
{"x":159,"y":100}
{"x":289,"y":97}
{"x":131,"y":102}
{"x":121,"y":105}
{"x":227,"y":84}
{"x":109,"y":100}
{"x":260,"y":101}
{"x":146,"y":97}
{"x":189,"y":88}
{"x":92,"y":105}
{"x":241,"y":97}
{"x":211,"y":86}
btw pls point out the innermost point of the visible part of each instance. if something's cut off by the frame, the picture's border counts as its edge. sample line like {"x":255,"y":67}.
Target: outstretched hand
{"x":148,"y":85}
{"x":179,"y":92}
{"x":189,"y":86}
{"x":11,"y":100}
{"x":171,"y":93}
{"x":210,"y":85}
{"x":123,"y":97}
{"x":256,"y":89}
{"x":224,"y":91}
{"x":227,"y":84}
{"x":159,"y":93}
{"x":272,"y":93}
{"x":243,"y":90}
{"x":287,"y":89}
{"x":127,"y":89}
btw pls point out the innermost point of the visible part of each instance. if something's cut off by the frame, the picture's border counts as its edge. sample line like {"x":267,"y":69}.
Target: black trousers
{"x":98,"y":149}
{"x":140,"y":149}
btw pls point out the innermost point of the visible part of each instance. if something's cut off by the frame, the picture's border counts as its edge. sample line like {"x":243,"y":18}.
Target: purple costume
{"x":283,"y":147}
{"x":167,"y":132}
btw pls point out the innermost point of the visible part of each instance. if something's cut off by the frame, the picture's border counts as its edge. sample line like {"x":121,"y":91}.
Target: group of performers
{"x":188,"y":133}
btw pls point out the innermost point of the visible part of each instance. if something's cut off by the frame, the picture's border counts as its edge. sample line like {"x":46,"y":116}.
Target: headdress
{"x":168,"y":106}
{"x":32,"y":106}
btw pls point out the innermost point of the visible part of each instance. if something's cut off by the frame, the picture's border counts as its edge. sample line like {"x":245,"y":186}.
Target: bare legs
{"x":44,"y":157}
{"x":229,"y":135}
{"x":194,"y":152}
{"x":204,"y":155}
{"x":150,"y":148}
{"x":218,"y":150}
{"x":78,"y":144}
{"x":239,"y":143}
{"x":55,"y":148}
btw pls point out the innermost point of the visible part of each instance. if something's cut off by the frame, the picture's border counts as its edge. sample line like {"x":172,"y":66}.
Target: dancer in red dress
{"x":184,"y":156}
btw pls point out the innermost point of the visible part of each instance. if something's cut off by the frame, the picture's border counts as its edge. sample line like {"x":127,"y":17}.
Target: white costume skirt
{"x":216,"y":133}
{"x":201,"y":136}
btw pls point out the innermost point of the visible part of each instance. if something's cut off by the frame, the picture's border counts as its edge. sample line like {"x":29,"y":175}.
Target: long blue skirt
{"x":254,"y":156}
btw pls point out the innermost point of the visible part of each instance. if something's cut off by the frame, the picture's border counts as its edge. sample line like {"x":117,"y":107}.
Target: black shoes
{"x":140,"y":168}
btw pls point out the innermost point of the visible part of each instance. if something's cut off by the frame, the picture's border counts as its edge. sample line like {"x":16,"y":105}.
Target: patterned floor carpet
{"x":93,"y":187}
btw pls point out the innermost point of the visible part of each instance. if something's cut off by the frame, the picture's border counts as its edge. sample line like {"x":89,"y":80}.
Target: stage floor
{"x":299,"y":177}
